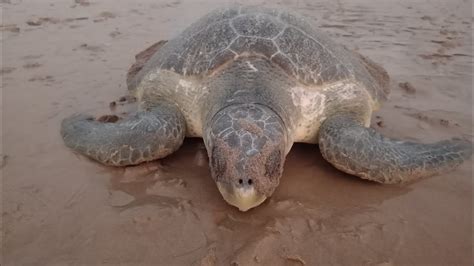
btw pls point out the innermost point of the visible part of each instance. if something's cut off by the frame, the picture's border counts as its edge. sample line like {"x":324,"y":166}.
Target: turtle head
{"x":247,"y":146}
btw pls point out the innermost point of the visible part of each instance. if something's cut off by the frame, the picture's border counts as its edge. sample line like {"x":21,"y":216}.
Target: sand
{"x":58,"y":208}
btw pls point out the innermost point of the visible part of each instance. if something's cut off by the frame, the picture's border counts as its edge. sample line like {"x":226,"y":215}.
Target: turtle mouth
{"x":244,"y":198}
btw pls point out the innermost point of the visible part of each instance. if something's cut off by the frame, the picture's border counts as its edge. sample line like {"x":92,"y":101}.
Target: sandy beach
{"x":59,"y":208}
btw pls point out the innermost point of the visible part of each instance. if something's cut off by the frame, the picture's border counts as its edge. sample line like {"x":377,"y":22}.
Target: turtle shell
{"x":286,"y":39}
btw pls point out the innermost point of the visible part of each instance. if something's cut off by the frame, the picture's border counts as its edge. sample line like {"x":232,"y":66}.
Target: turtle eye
{"x":273,"y":164}
{"x":218,"y":163}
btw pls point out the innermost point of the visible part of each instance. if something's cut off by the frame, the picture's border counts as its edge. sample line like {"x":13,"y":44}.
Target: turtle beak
{"x":243,"y":198}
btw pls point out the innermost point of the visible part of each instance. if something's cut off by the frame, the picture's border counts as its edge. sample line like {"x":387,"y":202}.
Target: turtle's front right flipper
{"x":363,"y":152}
{"x":144,"y":136}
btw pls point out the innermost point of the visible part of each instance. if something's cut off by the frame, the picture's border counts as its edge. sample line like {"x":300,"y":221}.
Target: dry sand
{"x":62,"y":57}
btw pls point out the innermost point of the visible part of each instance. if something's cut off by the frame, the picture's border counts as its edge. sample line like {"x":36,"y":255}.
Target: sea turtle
{"x":251,"y":81}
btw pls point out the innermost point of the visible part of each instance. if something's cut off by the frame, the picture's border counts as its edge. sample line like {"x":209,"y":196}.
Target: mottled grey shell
{"x":284,"y":38}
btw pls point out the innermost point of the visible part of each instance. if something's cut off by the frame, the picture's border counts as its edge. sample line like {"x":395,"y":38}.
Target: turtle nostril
{"x":241,"y":181}
{"x":250,"y":181}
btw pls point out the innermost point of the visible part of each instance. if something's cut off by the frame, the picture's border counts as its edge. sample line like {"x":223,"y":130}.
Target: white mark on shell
{"x":186,"y":85}
{"x":312,"y":103}
{"x":347,"y":92}
{"x":152,"y":76}
{"x":344,"y":90}
{"x":252,"y":67}
{"x":312,"y":106}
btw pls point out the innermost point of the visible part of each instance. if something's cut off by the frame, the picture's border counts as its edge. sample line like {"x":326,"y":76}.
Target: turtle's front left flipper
{"x":363,"y":152}
{"x":144,"y":136}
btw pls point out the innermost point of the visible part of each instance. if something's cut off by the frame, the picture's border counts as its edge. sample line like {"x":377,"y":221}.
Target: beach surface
{"x":59,"y":208}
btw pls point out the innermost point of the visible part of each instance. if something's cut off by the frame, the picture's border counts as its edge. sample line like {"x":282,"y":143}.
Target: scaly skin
{"x":144,"y":136}
{"x":363,"y":152}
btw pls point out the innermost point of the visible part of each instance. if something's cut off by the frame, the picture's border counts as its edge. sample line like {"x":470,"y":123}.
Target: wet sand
{"x":58,"y":208}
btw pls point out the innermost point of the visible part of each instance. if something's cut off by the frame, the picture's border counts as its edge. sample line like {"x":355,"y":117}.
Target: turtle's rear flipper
{"x":363,"y":152}
{"x":144,"y":136}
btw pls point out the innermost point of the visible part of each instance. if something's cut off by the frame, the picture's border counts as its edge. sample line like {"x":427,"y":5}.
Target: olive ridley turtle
{"x":252,"y":81}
